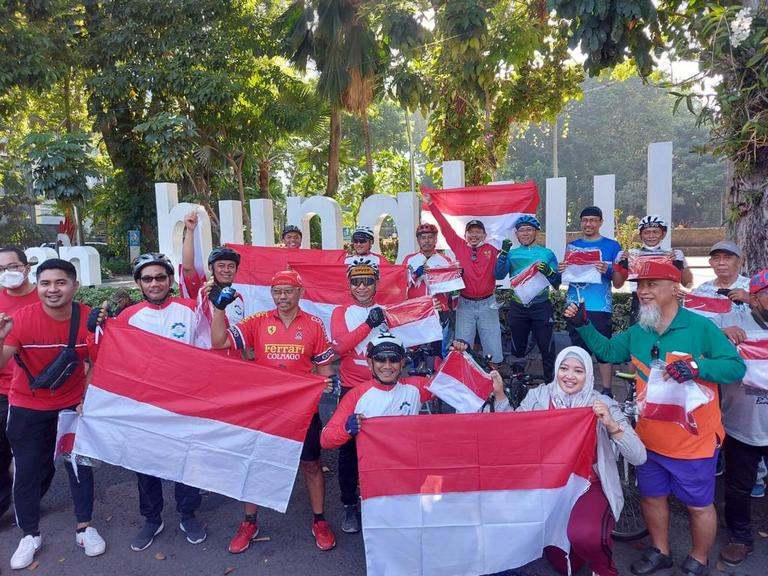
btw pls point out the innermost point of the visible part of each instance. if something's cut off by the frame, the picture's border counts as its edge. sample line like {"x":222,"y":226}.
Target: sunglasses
{"x":387,"y":358}
{"x":149,"y":279}
{"x":362,"y":281}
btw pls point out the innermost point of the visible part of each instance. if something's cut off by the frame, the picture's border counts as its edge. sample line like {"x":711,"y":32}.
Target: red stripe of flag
{"x":707,"y":304}
{"x":754,"y":349}
{"x":525,"y":275}
{"x":409,"y":311}
{"x":259,"y":263}
{"x":490,"y":200}
{"x":328,"y":283}
{"x":580,"y":257}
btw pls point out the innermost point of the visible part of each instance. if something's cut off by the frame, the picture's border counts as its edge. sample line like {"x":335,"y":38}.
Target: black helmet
{"x":149,"y":259}
{"x":223,"y":253}
{"x":291,"y":228}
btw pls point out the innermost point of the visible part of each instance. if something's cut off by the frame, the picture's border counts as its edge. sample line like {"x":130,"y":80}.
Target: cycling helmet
{"x":527,"y":220}
{"x":386,"y":342}
{"x":651,"y":221}
{"x":362,"y":267}
{"x":426,"y":228}
{"x":364,"y":233}
{"x":223,"y":253}
{"x":150,"y":258}
{"x":291,"y":228}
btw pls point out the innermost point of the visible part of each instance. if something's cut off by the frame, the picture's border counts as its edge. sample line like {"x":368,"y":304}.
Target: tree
{"x":728,"y":40}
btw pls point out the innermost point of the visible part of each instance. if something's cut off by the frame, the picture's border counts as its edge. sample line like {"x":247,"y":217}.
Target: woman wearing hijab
{"x":595,"y":513}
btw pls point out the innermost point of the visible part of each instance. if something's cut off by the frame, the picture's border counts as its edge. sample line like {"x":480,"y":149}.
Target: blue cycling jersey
{"x":597,"y":297}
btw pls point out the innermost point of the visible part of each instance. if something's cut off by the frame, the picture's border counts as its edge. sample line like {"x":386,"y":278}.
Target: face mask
{"x":11,"y":280}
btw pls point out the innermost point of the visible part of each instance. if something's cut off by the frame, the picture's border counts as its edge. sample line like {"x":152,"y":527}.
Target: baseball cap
{"x":655,"y":270}
{"x":473,"y":224}
{"x":726,"y":246}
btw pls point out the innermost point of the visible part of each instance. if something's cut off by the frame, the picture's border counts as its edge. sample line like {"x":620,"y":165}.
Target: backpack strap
{"x":74,"y":326}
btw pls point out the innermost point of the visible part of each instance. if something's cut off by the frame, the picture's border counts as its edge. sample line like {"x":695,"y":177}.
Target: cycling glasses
{"x":160,"y":278}
{"x":390,"y":358}
{"x":368,"y":281}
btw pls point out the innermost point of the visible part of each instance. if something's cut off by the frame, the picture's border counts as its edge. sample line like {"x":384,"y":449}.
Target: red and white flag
{"x":65,"y":433}
{"x":498,"y":206}
{"x":461,"y":383}
{"x":163,"y":408}
{"x":708,"y":306}
{"x":444,"y":279}
{"x":468,"y":494}
{"x":529,"y":284}
{"x":580,"y":267}
{"x":755,"y":355}
{"x":414,"y":321}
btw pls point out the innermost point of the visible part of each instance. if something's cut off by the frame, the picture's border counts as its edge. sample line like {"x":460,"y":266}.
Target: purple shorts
{"x":691,"y":481}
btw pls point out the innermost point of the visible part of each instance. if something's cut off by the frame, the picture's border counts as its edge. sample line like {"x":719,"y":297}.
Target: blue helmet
{"x":527,"y":220}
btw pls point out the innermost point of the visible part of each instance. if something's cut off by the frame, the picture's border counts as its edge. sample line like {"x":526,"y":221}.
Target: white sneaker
{"x":91,"y":541}
{"x":25,"y":553}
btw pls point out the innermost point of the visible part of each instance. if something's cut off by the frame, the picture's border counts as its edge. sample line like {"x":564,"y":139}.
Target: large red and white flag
{"x":414,"y":321}
{"x":468,"y":494}
{"x":529,"y":283}
{"x":755,"y":355}
{"x":444,"y":279}
{"x":498,"y":206}
{"x":163,"y":408}
{"x":580,"y":267}
{"x":461,"y":383}
{"x":708,"y":306}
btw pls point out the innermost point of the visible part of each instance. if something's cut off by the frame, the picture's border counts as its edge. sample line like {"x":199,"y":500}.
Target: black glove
{"x":222,"y":297}
{"x":505,"y":246}
{"x":579,"y":319}
{"x":375,"y":317}
{"x":682,"y":370}
{"x":93,"y":319}
{"x":352,"y":426}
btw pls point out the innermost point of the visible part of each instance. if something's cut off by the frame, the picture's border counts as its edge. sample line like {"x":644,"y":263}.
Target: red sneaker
{"x":246,"y":532}
{"x":323,"y":534}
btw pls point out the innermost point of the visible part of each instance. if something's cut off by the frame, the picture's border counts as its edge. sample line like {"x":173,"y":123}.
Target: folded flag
{"x":65,"y":433}
{"x":468,"y":494}
{"x":755,"y":355}
{"x":707,"y":305}
{"x":580,"y":267}
{"x":497,"y":206}
{"x":529,"y":283}
{"x":444,"y":279}
{"x":414,"y":321}
{"x":170,"y":410}
{"x":461,"y":383}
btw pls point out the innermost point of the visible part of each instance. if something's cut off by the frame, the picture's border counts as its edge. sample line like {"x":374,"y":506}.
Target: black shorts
{"x":310,"y":451}
{"x":600,"y":320}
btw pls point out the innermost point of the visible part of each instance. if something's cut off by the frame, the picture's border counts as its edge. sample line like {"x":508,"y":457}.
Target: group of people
{"x":54,"y":340}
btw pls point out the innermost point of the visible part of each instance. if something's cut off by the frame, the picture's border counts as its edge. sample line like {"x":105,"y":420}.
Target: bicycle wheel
{"x":630,"y":525}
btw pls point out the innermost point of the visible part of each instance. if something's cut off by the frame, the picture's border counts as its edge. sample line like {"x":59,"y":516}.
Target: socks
{"x":319,"y":517}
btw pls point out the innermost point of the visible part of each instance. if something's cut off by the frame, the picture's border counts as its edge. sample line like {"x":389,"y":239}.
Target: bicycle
{"x":630,"y":525}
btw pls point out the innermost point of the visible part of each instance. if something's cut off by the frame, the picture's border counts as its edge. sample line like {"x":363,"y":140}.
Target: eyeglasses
{"x":362,"y":281}
{"x":387,"y":358}
{"x":160,"y":278}
{"x":283,"y":291}
{"x":12,"y":268}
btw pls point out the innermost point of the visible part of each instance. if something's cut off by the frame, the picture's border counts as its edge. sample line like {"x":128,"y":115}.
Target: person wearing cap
{"x":351,"y":327}
{"x":745,"y":418}
{"x":598,"y":300}
{"x":725,"y":260}
{"x":292,"y":237}
{"x":286,"y":338}
{"x":652,"y":230}
{"x":477,"y":311}
{"x":417,"y":264}
{"x":679,"y":462}
{"x":362,"y":242}
{"x":537,"y":316}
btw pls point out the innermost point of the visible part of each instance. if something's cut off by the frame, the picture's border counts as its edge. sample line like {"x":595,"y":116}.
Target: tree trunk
{"x":264,"y":166}
{"x":748,"y":197}
{"x":334,"y":152}
{"x":237,"y":166}
{"x":367,"y":142}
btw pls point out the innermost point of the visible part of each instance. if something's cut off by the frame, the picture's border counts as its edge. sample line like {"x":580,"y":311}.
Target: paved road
{"x":291,"y":550}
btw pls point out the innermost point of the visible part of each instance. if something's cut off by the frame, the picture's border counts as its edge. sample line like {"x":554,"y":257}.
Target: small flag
{"x":708,"y":306}
{"x":755,"y":355}
{"x":580,"y":267}
{"x":444,"y":279}
{"x":529,"y":283}
{"x":461,"y":382}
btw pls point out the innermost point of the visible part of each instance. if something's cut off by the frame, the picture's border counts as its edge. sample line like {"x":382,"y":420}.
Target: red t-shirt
{"x":10,"y":305}
{"x":39,"y":338}
{"x":295,"y":347}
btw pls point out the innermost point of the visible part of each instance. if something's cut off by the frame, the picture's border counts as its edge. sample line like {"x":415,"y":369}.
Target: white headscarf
{"x":582,"y":398}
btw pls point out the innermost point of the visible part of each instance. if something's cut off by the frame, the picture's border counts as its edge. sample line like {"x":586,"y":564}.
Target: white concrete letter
{"x":556,"y":216}
{"x":453,"y":174}
{"x":660,"y":185}
{"x":86,"y":261}
{"x":231,"y":221}
{"x":36,"y":256}
{"x":605,"y":199}
{"x":262,"y":222}
{"x":404,"y":211}
{"x":170,"y":222}
{"x":300,"y":212}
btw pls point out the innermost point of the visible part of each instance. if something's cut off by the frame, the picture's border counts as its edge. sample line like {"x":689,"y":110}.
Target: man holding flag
{"x":679,"y":461}
{"x":289,"y":339}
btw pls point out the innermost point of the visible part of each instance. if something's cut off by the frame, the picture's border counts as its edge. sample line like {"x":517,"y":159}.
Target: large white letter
{"x":36,"y":256}
{"x":604,"y":196}
{"x":660,"y":185}
{"x":262,"y":223}
{"x":301,"y":212}
{"x":170,"y":222}
{"x":556,"y":216}
{"x":86,"y":261}
{"x":405,"y":213}
{"x":231,"y":221}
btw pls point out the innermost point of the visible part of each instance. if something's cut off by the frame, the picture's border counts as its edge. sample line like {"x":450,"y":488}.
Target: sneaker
{"x":146,"y":536}
{"x":323,"y":534}
{"x":91,"y":541}
{"x":193,"y":529}
{"x":245,"y":534}
{"x":758,"y":490}
{"x":350,"y":525}
{"x":25,"y":553}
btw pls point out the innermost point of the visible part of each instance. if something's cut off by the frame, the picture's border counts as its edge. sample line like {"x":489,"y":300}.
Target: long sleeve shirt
{"x":478,"y":263}
{"x":348,"y":332}
{"x":520,"y":258}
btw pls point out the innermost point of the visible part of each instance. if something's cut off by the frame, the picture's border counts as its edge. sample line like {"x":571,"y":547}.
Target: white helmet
{"x":363,"y":230}
{"x":386,"y":342}
{"x":651,"y":221}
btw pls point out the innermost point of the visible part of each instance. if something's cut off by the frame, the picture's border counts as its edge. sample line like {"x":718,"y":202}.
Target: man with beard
{"x":351,"y":327}
{"x":679,"y":462}
{"x":745,"y":418}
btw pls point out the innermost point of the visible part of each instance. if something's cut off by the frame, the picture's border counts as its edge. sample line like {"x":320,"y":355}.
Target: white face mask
{"x":10,"y":279}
